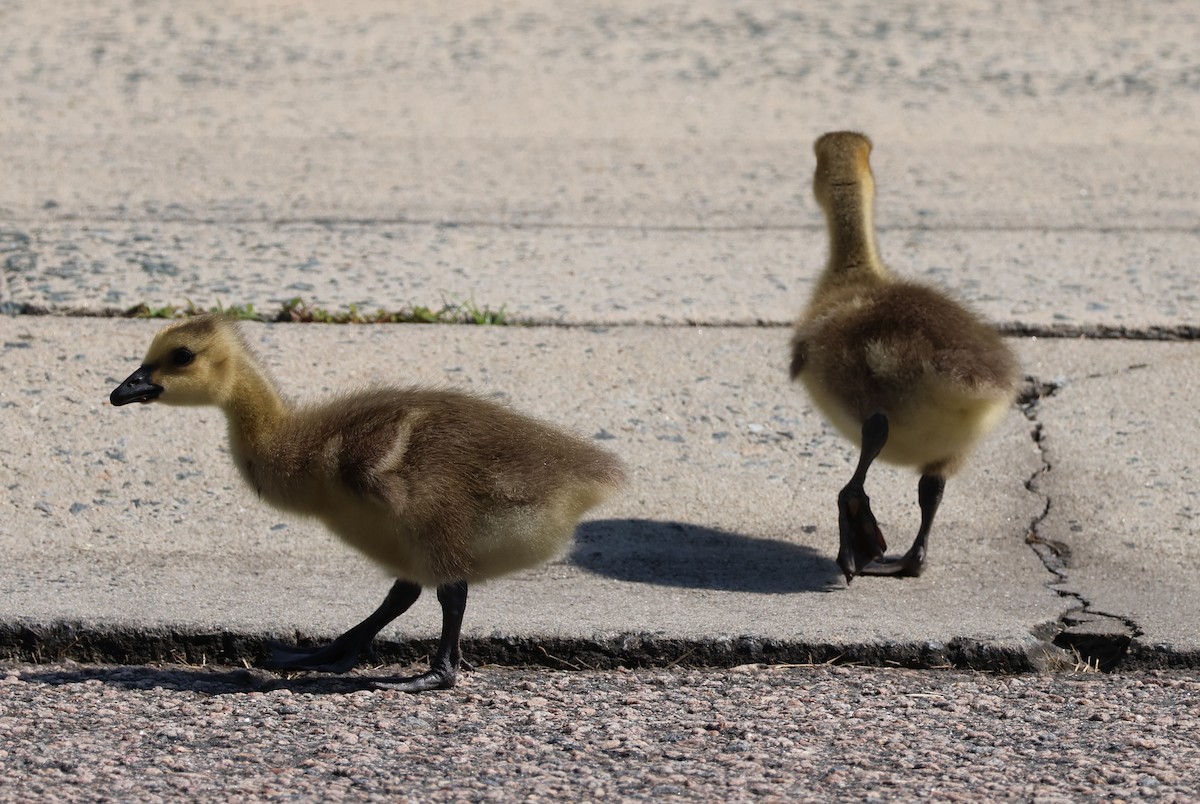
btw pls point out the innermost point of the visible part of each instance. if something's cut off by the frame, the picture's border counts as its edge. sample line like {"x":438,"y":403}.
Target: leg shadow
{"x":695,"y":557}
{"x":213,"y":680}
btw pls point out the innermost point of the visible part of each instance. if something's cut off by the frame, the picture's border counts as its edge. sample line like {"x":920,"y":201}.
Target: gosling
{"x":440,"y":488}
{"x":900,"y":368}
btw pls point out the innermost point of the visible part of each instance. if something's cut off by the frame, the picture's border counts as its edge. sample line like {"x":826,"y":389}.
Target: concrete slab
{"x":625,"y":164}
{"x":1122,"y":482}
{"x":622,"y":182}
{"x":590,"y":274}
{"x":134,"y":516}
{"x":647,"y":69}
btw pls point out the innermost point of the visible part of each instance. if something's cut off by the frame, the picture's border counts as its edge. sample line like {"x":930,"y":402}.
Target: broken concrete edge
{"x":99,"y":643}
{"x":54,"y":642}
{"x":1095,"y":639}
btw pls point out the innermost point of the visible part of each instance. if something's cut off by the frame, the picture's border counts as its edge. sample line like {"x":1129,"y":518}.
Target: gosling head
{"x":843,"y":168}
{"x":187,"y":364}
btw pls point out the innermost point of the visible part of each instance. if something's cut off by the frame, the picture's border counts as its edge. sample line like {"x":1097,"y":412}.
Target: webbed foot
{"x":439,"y":678}
{"x":909,"y":565}
{"x":862,"y":541}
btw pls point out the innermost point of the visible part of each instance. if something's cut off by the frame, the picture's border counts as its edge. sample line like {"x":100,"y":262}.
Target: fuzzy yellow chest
{"x":298,"y":489}
{"x":290,"y":468}
{"x":387,"y":539}
{"x":933,"y":423}
{"x":311,"y":488}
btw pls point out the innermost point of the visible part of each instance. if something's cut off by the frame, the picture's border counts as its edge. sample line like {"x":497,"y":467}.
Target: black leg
{"x":443,"y":670}
{"x":912,"y":563}
{"x":861,"y":540}
{"x":342,"y":654}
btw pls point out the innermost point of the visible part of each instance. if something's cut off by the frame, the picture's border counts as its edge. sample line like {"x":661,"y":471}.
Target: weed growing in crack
{"x":299,"y":311}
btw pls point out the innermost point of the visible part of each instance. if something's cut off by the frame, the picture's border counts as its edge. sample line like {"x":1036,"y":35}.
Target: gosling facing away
{"x":900,"y":368}
{"x":441,"y":488}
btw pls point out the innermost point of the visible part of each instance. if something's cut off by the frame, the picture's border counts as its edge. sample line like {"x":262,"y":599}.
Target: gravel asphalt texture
{"x":752,"y":733}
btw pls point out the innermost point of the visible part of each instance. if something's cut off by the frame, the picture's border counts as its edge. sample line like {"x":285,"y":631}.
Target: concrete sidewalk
{"x":637,"y":176}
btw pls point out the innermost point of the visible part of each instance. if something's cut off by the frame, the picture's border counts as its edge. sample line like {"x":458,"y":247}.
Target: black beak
{"x":136,"y":388}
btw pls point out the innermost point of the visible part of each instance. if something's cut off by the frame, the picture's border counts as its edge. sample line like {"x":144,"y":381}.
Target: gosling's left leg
{"x":912,"y":563}
{"x":342,"y":654}
{"x":443,"y":670}
{"x":861,"y":540}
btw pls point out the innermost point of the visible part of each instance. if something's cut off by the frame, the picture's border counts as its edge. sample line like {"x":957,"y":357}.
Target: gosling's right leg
{"x":861,"y":539}
{"x":342,"y":654}
{"x":443,"y":670}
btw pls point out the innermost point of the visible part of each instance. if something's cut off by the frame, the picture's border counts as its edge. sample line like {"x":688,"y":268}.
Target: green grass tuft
{"x":297,"y":310}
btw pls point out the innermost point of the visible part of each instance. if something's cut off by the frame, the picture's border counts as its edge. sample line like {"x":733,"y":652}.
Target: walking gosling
{"x":441,"y":488}
{"x":898,"y":367}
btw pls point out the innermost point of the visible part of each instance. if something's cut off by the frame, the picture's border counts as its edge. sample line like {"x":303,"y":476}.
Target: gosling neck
{"x":853,"y":253}
{"x":254,"y":407}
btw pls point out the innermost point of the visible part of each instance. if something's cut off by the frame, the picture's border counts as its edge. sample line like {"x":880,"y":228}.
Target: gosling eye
{"x":182,"y":356}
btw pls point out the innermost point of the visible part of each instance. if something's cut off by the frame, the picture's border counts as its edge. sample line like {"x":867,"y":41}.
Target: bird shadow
{"x":214,"y":680}
{"x":692,"y":556}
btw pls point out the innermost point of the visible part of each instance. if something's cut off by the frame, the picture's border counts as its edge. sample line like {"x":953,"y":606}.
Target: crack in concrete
{"x":1100,"y":375}
{"x":1095,"y":639}
{"x":532,"y":220}
{"x":1102,"y":332}
{"x":1181,"y":332}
